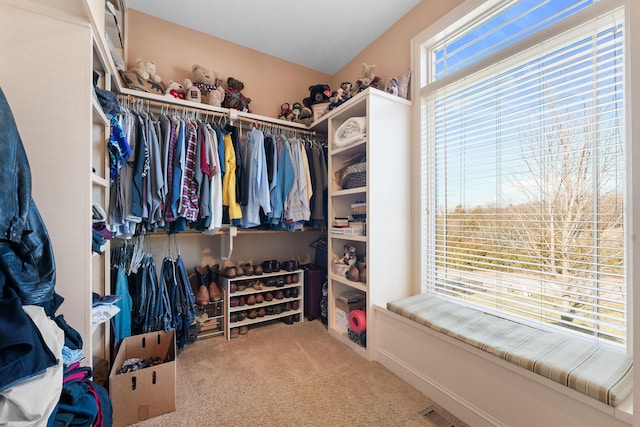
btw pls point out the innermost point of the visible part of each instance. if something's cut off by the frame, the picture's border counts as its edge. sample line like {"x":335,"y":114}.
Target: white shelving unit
{"x":232,"y":318}
{"x":386,"y":246}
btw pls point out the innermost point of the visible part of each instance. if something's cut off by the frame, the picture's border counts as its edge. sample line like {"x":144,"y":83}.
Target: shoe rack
{"x":255,"y":299}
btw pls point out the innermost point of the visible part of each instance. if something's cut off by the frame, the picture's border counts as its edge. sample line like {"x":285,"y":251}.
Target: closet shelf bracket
{"x":226,"y":243}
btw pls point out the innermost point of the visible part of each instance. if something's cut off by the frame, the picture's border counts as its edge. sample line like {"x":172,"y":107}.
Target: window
{"x":523,"y":164}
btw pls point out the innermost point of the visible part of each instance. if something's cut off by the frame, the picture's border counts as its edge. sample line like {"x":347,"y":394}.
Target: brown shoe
{"x":251,"y":299}
{"x":259,"y":299}
{"x":262,"y":312}
{"x":214,"y":292}
{"x":248,"y":269}
{"x":234,"y":332}
{"x":244,"y":330}
{"x":202,"y":296}
{"x":268,"y":296}
{"x":232,"y":288}
{"x":257,"y":270}
{"x":252,"y":314}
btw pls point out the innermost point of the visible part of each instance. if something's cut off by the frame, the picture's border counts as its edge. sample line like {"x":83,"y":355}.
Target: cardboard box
{"x":148,"y":392}
{"x":345,"y":304}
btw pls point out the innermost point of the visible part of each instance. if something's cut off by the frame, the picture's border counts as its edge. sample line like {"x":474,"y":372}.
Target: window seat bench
{"x":598,"y":371}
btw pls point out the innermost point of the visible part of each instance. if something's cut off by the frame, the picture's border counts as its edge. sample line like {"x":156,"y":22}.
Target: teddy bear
{"x":368,"y":78}
{"x":233,"y":96}
{"x":143,"y":76}
{"x":176,"y":90}
{"x":303,"y":115}
{"x":317,"y":94}
{"x":192,"y":92}
{"x":207,"y":81}
{"x":146,"y":70}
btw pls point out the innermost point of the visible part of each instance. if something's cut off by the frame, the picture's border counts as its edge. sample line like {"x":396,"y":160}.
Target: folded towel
{"x":352,"y":130}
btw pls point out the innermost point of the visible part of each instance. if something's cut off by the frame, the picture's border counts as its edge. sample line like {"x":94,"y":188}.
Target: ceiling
{"x":323,"y":35}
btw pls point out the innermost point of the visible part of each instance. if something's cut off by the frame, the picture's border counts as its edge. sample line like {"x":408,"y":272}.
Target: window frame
{"x":459,"y":19}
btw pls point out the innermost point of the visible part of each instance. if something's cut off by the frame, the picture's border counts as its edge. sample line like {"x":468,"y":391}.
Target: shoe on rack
{"x":233,"y":317}
{"x":268,"y":296}
{"x":248,"y":269}
{"x":243,"y":330}
{"x":257,"y":270}
{"x":233,"y":302}
{"x":213,"y":272}
{"x":287,"y":279}
{"x":241,"y":286}
{"x":202,"y":296}
{"x":252,"y":314}
{"x":266,"y":267}
{"x":251,"y":299}
{"x":261,"y":312}
{"x":258,"y":285}
{"x":234,"y":333}
{"x":214,"y":292}
{"x":242,"y":315}
{"x":229,"y":272}
{"x":288,"y":320}
{"x":296,"y":317}
{"x":232,"y":288}
{"x":295,"y":305}
{"x":241,"y":302}
{"x":239,"y":270}
{"x":275,"y":266}
{"x":295,"y":278}
{"x":259,"y":299}
{"x":278,"y":295}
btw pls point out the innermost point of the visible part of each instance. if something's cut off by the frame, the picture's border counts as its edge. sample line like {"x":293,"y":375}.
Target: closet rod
{"x":259,"y":123}
{"x":143,"y":101}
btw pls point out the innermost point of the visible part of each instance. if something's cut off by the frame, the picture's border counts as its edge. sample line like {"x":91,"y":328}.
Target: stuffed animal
{"x":192,"y":92}
{"x":317,"y":94}
{"x":146,"y":70}
{"x":349,"y":257}
{"x":368,"y":78}
{"x":285,"y":110}
{"x":207,"y":81}
{"x":392,"y":86}
{"x":143,"y":77}
{"x":216,"y":97}
{"x":233,"y":96}
{"x":176,"y":90}
{"x":304,"y":115}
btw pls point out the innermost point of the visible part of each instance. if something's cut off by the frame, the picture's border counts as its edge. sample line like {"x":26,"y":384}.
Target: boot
{"x":202,"y":296}
{"x":214,"y":292}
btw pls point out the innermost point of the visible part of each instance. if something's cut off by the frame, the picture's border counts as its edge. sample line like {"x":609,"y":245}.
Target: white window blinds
{"x":524,"y":181}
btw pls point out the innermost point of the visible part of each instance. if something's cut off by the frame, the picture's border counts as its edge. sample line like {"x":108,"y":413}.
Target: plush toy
{"x":176,"y":90}
{"x":318,"y":94}
{"x":208,"y":82}
{"x":143,"y":77}
{"x":304,"y":115}
{"x":192,"y":92}
{"x":285,"y":111}
{"x":296,"y":110}
{"x":349,"y":257}
{"x":216,"y":97}
{"x":392,"y":86}
{"x":146,"y":70}
{"x":233,"y":96}
{"x":368,"y":78}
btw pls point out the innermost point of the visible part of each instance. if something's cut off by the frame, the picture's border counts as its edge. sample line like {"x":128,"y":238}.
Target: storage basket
{"x":352,"y":172}
{"x":355,"y":176}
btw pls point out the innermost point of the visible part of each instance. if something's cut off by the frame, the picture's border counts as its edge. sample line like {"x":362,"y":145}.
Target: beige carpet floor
{"x":288,"y":375}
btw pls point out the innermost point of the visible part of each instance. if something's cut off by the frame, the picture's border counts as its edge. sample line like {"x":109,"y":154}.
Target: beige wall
{"x":391,"y":52}
{"x":270,"y":81}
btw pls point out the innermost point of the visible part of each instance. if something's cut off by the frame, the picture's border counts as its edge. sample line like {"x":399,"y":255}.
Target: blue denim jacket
{"x":15,"y":177}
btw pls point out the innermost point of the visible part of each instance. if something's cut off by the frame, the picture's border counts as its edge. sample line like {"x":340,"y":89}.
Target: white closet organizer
{"x":386,"y":246}
{"x":102,"y":63}
{"x":64,"y":133}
